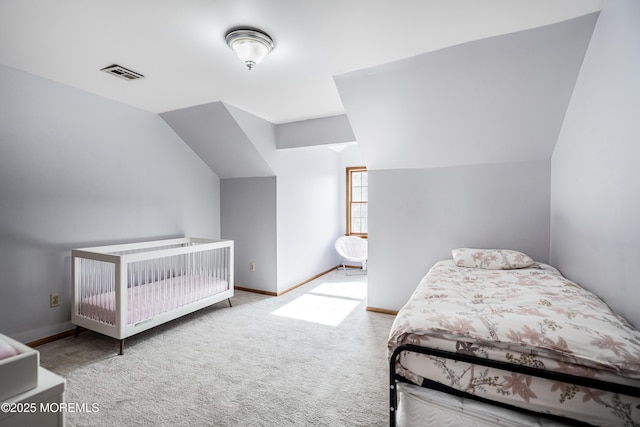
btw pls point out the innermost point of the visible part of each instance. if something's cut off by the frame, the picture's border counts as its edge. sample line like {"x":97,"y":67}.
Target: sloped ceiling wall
{"x":237,"y":144}
{"x":213,"y":133}
{"x":320,"y":131}
{"x":496,"y":100}
{"x":501,"y":99}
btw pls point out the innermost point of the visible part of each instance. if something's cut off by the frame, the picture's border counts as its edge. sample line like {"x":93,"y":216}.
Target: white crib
{"x":121,"y":290}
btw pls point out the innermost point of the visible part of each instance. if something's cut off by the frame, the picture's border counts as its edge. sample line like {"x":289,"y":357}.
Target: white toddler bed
{"x":121,"y":290}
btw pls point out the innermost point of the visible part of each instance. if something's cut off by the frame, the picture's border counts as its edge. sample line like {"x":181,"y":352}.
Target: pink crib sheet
{"x":148,"y":300}
{"x":6,"y":350}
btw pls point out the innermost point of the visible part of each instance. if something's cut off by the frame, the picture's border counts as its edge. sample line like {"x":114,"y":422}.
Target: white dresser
{"x":29,"y":394}
{"x":39,"y":406}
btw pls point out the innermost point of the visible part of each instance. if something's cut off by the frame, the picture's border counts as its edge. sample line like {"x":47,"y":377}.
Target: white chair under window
{"x":352,"y":249}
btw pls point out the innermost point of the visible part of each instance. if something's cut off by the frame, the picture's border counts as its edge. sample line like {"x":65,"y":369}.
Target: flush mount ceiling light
{"x":250,"y":45}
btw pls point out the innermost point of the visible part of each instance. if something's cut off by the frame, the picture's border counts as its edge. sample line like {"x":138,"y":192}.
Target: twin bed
{"x":493,"y":338}
{"x":121,"y":290}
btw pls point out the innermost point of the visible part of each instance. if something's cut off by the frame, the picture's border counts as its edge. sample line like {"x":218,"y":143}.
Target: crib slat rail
{"x":121,"y":290}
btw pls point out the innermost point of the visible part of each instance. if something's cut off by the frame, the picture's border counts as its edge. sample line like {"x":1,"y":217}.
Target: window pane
{"x":364,"y":179}
{"x":356,"y":194}
{"x":356,"y":179}
{"x":355,"y":210}
{"x":364,"y":197}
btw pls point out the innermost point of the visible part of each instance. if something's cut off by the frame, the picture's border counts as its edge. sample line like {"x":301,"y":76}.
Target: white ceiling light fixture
{"x":251,"y":45}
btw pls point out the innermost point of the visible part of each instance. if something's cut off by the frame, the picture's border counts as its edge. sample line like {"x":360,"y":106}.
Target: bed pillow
{"x":491,"y":259}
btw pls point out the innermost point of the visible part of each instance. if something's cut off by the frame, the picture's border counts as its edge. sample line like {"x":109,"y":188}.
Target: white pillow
{"x":491,"y":259}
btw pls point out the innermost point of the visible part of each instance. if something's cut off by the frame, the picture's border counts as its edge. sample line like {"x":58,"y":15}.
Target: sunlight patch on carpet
{"x":355,"y":290}
{"x":318,"y":309}
{"x":327,"y":304}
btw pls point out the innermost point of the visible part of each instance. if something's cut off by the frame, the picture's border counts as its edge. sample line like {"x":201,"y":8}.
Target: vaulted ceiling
{"x":418,"y":83}
{"x":496,"y":100}
{"x":179,"y":45}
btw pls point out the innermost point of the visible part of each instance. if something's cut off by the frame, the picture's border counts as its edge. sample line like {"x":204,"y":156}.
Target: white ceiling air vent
{"x":122,"y":72}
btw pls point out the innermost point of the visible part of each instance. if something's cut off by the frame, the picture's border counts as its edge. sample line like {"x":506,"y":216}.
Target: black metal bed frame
{"x":394,"y":378}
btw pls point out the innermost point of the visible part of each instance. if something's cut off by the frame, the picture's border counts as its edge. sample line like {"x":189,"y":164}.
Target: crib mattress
{"x":18,"y":368}
{"x":6,"y":350}
{"x":531,"y":316}
{"x":151,"y":299}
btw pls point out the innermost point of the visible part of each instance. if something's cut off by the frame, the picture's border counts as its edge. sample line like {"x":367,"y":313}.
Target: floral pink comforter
{"x":530,"y":316}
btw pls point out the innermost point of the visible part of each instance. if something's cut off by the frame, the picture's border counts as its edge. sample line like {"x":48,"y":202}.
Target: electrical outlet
{"x":54,"y":300}
{"x":252,"y":266}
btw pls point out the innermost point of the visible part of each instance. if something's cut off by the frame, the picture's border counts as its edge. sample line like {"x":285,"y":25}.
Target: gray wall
{"x":76,"y":170}
{"x":595,"y":197}
{"x":248,"y":216}
{"x":417,"y":216}
{"x":307,"y":198}
{"x":458,"y":144}
{"x":308,"y":222}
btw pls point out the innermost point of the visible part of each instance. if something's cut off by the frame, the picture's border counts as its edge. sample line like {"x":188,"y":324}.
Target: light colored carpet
{"x":312,"y":357}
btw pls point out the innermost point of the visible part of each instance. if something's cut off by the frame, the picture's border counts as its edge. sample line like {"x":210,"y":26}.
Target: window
{"x":357,"y":201}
